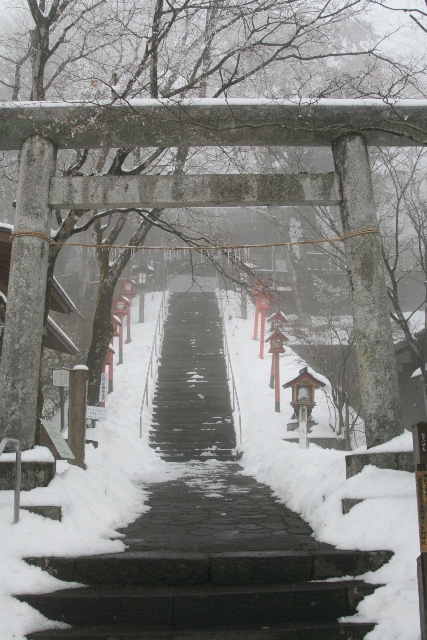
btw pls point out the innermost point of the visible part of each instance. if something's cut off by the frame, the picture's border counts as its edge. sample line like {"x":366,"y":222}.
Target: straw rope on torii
{"x":51,"y":241}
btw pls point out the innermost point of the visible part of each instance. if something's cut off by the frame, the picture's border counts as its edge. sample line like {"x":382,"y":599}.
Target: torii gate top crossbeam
{"x":213,"y":122}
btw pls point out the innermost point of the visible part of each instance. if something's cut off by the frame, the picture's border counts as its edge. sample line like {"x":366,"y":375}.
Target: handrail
{"x":235,"y":397}
{"x":17,"y":498}
{"x":154,"y":351}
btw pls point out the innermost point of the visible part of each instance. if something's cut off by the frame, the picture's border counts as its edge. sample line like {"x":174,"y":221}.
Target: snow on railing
{"x":155,"y":349}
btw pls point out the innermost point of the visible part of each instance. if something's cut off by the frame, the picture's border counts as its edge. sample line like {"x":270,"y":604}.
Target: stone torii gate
{"x":39,"y":129}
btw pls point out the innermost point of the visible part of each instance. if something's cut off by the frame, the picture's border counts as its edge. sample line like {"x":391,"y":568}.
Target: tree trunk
{"x":102,"y":333}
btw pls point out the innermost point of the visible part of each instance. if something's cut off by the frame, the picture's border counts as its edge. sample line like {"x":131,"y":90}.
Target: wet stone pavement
{"x":212,"y":506}
{"x":208,"y":504}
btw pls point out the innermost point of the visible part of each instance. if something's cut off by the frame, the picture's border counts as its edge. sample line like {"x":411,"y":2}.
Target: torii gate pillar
{"x":372,"y":327}
{"x":22,"y":343}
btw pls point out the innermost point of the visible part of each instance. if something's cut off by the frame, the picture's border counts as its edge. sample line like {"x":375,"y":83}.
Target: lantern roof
{"x":305,"y":377}
{"x":127,"y":280}
{"x":278,"y":316}
{"x":143,"y":267}
{"x":260,"y":286}
{"x":277,"y":335}
{"x":116,"y":320}
{"x":110,"y":348}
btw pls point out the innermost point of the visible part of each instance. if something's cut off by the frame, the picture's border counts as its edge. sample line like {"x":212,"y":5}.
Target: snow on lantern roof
{"x":279,"y":315}
{"x":143,"y":267}
{"x":305,"y":377}
{"x":277,"y":335}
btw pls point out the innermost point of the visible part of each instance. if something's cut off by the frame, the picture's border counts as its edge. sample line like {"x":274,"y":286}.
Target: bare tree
{"x":403,"y":206}
{"x":330,"y":348}
{"x":169,"y":51}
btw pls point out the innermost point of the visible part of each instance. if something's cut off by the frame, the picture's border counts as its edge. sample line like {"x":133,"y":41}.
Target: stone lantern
{"x":144,"y":275}
{"x":303,"y":393}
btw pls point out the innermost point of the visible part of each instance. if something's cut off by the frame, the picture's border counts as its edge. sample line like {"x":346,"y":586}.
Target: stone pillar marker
{"x":141,"y":302}
{"x":77,"y":414}
{"x":374,"y":343}
{"x":20,"y":366}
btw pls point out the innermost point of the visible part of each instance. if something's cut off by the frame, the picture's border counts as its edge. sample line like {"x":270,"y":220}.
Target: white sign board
{"x":96,"y":413}
{"x":103,"y":388}
{"x":58,"y":441}
{"x":61,"y":377}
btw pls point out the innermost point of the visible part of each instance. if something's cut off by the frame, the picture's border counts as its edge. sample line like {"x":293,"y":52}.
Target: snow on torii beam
{"x":218,"y":122}
{"x":96,"y":192}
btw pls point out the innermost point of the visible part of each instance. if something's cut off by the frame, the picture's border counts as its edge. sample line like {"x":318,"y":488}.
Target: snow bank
{"x":95,"y":502}
{"x":313,"y":483}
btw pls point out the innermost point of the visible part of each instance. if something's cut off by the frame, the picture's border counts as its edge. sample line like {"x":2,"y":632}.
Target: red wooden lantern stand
{"x":263,"y":302}
{"x":118,"y":333}
{"x":128,"y":288}
{"x":276,"y":321}
{"x":259,"y":287}
{"x":276,"y":341}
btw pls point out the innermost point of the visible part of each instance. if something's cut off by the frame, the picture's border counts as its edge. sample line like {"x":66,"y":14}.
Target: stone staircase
{"x":235,"y":596}
{"x":216,"y":557}
{"x":192,"y":417}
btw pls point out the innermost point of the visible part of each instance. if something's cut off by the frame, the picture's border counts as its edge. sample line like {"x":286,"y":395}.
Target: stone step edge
{"x":53,"y":512}
{"x":282,"y":632}
{"x":320,"y":564}
{"x":396,"y":460}
{"x":348,"y":503}
{"x":34,"y":474}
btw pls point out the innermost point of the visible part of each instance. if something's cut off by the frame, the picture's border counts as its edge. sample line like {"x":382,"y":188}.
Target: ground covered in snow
{"x":313,"y":482}
{"x":105,"y":497}
{"x":94,"y":502}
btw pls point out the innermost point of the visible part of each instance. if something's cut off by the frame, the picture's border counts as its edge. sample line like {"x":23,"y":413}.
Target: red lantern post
{"x":110,"y":364}
{"x":263,"y":301}
{"x":259,"y":287}
{"x":276,"y":341}
{"x":118,"y":333}
{"x":276,"y":321}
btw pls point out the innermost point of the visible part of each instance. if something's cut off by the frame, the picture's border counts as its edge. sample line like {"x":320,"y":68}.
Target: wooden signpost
{"x":61,"y":379}
{"x":103,"y":388}
{"x":419,"y":433}
{"x":53,"y":439}
{"x":96,"y":413}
